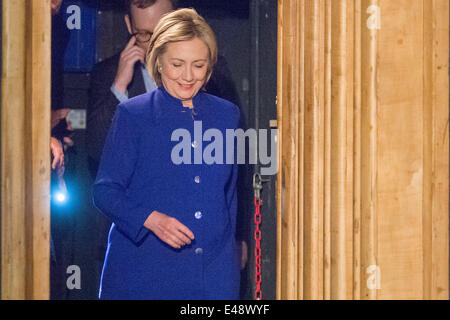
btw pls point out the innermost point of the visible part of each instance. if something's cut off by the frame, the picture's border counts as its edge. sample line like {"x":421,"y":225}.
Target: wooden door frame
{"x":25,"y":155}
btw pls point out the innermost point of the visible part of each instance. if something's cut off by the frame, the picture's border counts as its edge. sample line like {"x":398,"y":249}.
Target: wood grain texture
{"x":369,"y":106}
{"x":13,"y":156}
{"x":400,"y":149}
{"x":339,"y":160}
{"x":38,"y":106}
{"x":313,"y":150}
{"x":327,"y":155}
{"x":435,"y":151}
{"x":26,"y":51}
{"x":371,"y":151}
{"x":288,"y":221}
{"x":356,"y":234}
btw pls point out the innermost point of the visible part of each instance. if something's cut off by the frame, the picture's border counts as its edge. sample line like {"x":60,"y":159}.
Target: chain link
{"x":258,"y":293}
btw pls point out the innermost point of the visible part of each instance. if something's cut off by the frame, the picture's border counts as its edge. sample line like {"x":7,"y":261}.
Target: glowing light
{"x":60,"y":197}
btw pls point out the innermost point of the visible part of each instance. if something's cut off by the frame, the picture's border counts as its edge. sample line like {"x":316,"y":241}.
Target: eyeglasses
{"x":142,"y":36}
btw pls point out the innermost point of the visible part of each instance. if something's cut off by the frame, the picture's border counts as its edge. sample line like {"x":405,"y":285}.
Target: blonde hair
{"x":180,"y":25}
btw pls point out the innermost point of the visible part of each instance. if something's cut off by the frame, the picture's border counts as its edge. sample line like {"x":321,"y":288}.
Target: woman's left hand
{"x":169,"y":229}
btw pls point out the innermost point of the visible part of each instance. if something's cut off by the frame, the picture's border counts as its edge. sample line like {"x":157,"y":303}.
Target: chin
{"x":187,"y":95}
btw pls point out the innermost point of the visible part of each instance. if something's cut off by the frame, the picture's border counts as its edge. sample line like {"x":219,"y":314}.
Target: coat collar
{"x":196,"y":100}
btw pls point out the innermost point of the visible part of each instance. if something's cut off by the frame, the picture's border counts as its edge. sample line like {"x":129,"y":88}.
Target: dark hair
{"x":142,"y":4}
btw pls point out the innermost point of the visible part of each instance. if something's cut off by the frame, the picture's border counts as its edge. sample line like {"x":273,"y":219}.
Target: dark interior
{"x":246,"y":32}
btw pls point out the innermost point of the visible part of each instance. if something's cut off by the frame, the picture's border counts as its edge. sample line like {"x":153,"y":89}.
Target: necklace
{"x":194,"y":111}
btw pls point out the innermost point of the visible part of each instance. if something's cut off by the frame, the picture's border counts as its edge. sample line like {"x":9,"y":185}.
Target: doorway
{"x":246,"y":32}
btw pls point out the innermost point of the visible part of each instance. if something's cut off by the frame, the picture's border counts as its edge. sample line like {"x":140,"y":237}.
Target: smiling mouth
{"x":186,"y":87}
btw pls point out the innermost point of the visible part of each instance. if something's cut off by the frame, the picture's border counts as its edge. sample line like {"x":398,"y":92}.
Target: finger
{"x":186,"y":231}
{"x":61,"y":160}
{"x":142,"y":53}
{"x":176,"y":240}
{"x":133,"y":56}
{"x":182,"y":237}
{"x":132,"y":53}
{"x":68,"y":141}
{"x":165,"y":235}
{"x":132,"y":50}
{"x":55,"y":161}
{"x":130,"y":43}
{"x":172,"y":244}
{"x":62,"y":113}
{"x":127,"y":51}
{"x":171,"y":240}
{"x":58,"y":157}
{"x":172,"y":234}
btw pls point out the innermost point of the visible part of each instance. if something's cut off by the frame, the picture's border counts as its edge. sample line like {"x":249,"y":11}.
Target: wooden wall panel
{"x":312,"y":178}
{"x":400,"y":143}
{"x":26,"y":66}
{"x":288,"y":223}
{"x":364,"y":135}
{"x":436,"y":146}
{"x":368,"y":148}
{"x":13,"y":158}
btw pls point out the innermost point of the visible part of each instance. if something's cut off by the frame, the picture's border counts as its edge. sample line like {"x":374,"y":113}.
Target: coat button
{"x":198,"y":251}
{"x":197,"y":179}
{"x":198,"y":215}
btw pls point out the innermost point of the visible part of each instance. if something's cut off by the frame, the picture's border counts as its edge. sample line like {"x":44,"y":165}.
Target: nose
{"x":187,"y":74}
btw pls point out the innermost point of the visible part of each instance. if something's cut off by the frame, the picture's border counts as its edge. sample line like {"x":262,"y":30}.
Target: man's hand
{"x":55,"y":5}
{"x":58,"y":115}
{"x":58,"y":155}
{"x":128,"y":58}
{"x":169,"y":229}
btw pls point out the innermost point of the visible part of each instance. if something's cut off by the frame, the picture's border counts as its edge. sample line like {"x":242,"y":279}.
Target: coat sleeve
{"x":116,"y":169}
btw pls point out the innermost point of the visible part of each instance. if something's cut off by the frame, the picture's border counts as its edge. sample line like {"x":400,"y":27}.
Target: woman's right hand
{"x":169,"y":229}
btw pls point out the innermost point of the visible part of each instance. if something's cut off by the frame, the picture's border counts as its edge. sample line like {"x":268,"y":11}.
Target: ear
{"x":128,"y":23}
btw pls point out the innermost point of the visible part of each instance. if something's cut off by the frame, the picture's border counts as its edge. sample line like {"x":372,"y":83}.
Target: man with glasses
{"x":124,"y":75}
{"x":141,"y":19}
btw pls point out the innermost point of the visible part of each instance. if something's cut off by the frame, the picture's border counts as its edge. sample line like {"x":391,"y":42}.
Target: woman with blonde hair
{"x":173,"y":231}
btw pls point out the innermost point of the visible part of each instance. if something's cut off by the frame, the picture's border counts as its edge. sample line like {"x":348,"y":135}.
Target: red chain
{"x":258,"y":293}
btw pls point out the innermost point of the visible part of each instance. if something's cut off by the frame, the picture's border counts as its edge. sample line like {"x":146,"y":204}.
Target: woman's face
{"x":183,"y":68}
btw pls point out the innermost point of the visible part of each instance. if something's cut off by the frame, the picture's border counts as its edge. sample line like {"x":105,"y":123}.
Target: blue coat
{"x":137,"y":176}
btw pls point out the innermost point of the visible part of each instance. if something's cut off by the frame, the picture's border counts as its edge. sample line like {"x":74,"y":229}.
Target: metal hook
{"x":258,"y":184}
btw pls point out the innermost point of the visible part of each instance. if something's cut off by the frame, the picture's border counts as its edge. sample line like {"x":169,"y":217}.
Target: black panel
{"x":263,"y":91}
